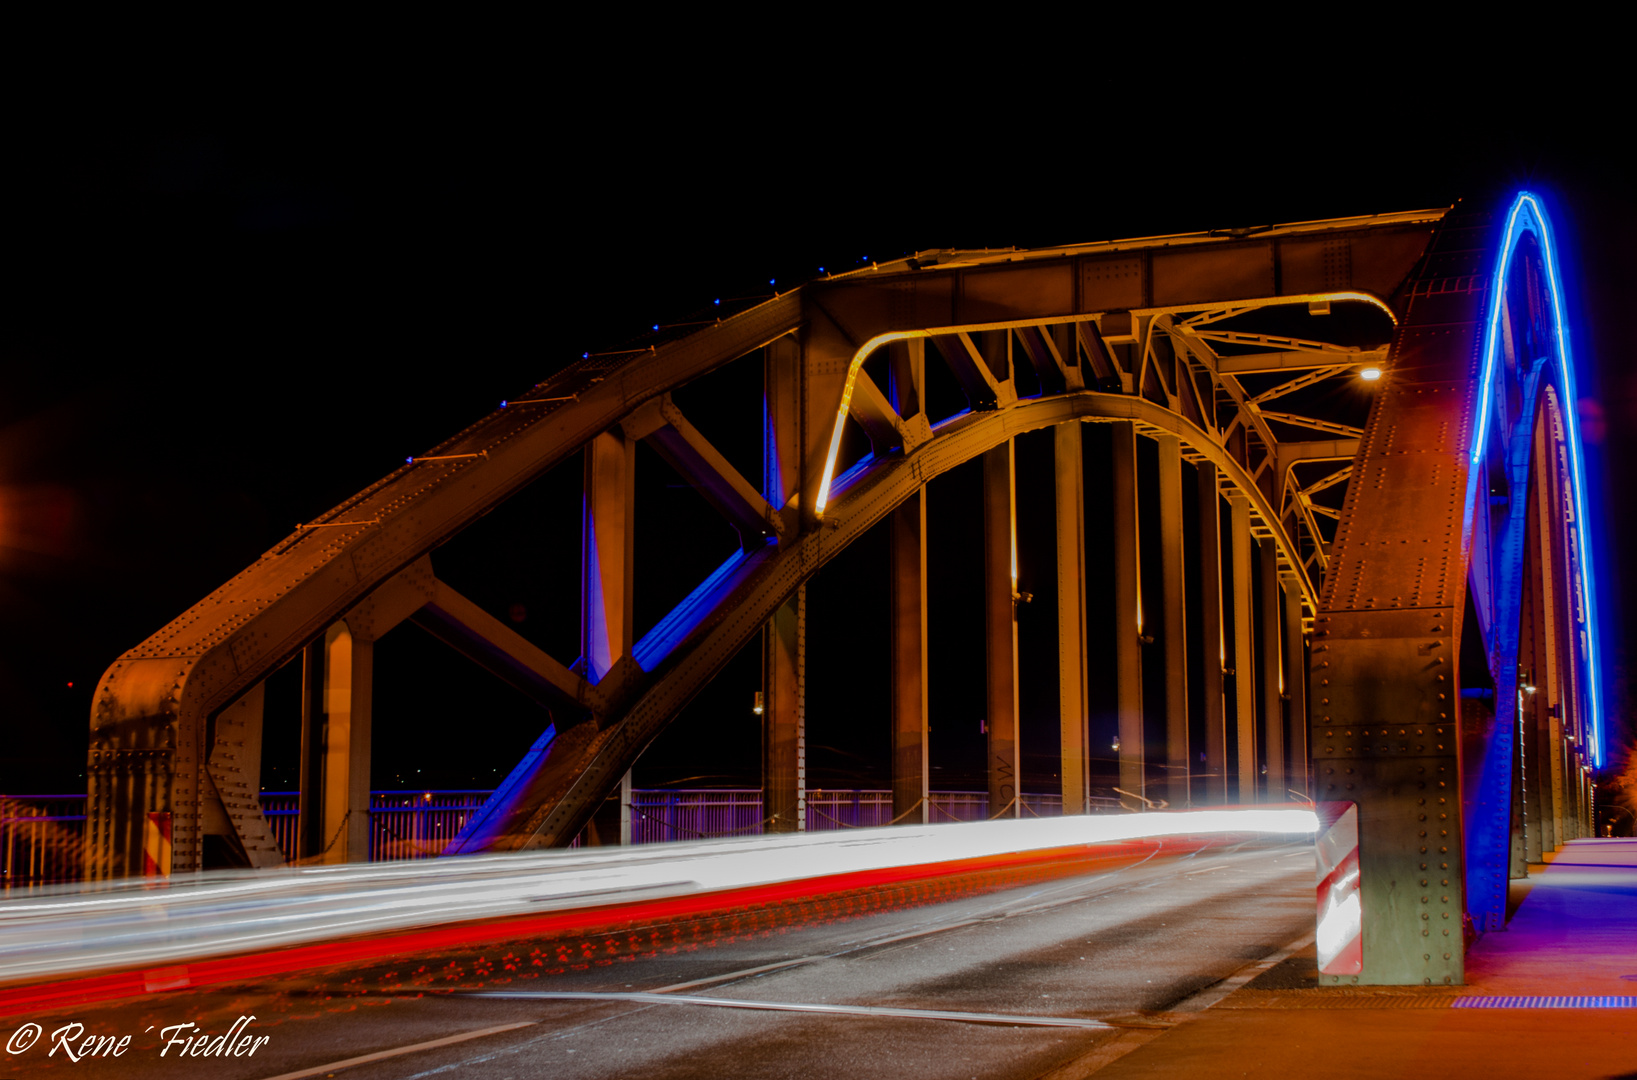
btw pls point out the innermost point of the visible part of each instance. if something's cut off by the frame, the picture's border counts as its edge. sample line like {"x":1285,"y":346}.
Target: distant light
{"x":757,"y":708}
{"x":71,"y":686}
{"x":585,"y":356}
{"x":717,"y":301}
{"x":1529,"y":689}
{"x":821,"y":269}
{"x":656,"y":326}
{"x":1370,"y":374}
{"x":770,"y":281}
{"x":409,"y":461}
{"x":502,"y":404}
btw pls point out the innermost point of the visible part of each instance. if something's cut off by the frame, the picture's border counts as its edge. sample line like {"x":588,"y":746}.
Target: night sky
{"x":223,"y":321}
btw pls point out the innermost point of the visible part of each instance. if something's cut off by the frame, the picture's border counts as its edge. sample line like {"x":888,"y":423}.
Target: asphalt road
{"x":1050,"y":977}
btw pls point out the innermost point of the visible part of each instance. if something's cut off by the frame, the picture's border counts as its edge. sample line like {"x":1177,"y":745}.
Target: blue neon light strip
{"x":1528,"y":216}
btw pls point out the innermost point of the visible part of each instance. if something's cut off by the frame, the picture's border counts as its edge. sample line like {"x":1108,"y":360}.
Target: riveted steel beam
{"x":1073,"y":690}
{"x":911,"y":776}
{"x":1000,"y":599}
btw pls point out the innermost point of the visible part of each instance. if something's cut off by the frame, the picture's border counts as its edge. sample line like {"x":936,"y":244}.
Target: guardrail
{"x":41,"y":835}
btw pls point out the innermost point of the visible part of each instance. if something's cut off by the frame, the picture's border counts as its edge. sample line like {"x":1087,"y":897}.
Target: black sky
{"x":223,"y":318}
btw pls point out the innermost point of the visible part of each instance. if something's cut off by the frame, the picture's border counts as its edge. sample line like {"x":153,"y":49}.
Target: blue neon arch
{"x":1527,"y":217}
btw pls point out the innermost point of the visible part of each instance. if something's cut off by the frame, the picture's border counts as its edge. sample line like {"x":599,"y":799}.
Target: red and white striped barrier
{"x":156,"y":845}
{"x":1340,"y":935}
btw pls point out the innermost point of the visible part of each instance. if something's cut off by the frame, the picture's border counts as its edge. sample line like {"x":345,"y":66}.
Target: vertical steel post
{"x":625,"y":809}
{"x":1244,"y":657}
{"x":1178,"y":754}
{"x":784,"y":718}
{"x":1128,"y":621}
{"x":606,"y":552}
{"x":336,"y":748}
{"x":1214,"y":657}
{"x":1296,"y":686}
{"x":310,"y":819}
{"x":784,"y":639}
{"x":1072,"y":691}
{"x":1000,"y":628}
{"x":360,"y":692}
{"x":1272,"y":674}
{"x":910,"y":786}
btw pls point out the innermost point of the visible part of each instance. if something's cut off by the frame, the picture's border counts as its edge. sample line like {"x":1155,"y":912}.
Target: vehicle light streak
{"x":327,"y":909}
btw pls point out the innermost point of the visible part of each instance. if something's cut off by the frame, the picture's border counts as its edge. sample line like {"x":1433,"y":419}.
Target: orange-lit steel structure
{"x":1222,"y":348}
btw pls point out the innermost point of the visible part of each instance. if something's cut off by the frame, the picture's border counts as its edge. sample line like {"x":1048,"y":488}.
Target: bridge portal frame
{"x":1147,"y":334}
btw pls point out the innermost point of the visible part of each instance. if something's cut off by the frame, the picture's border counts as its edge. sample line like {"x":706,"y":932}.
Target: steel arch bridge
{"x":1418,"y":636}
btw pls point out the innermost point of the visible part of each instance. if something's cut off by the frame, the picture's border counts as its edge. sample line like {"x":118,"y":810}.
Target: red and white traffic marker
{"x":156,"y":845}
{"x":1340,"y":936}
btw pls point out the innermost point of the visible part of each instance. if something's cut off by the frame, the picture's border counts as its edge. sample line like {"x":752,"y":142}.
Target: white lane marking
{"x":1207,"y":870}
{"x":381,"y":1055}
{"x":787,"y":1006}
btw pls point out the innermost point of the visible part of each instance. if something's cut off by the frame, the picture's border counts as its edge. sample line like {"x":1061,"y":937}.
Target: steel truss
{"x":1213,"y":345}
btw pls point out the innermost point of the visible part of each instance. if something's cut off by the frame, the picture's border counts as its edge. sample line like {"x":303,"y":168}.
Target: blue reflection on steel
{"x":1528,"y":217}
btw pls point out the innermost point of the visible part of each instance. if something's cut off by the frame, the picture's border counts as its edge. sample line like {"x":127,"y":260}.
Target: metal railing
{"x":41,"y":838}
{"x":41,"y":835}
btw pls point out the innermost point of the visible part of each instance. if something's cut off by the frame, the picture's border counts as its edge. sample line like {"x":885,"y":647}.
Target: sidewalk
{"x":1575,"y":933}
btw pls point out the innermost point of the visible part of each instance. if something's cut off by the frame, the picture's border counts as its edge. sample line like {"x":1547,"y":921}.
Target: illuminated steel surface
{"x":1281,"y":365}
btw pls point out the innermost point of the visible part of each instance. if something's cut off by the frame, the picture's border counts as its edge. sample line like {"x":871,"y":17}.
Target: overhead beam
{"x":1258,"y":363}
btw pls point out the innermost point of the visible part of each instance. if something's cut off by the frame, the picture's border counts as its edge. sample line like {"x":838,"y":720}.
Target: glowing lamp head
{"x":757,"y":708}
{"x":1370,"y":374}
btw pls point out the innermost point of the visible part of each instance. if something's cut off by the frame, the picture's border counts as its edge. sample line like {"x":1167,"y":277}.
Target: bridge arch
{"x":1235,"y":352}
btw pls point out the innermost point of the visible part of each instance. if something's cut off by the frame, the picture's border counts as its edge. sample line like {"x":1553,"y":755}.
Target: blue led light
{"x":770,"y":281}
{"x":409,"y":461}
{"x":1529,"y":216}
{"x":585,"y":356}
{"x":717,"y":301}
{"x":656,"y":326}
{"x":502,"y":404}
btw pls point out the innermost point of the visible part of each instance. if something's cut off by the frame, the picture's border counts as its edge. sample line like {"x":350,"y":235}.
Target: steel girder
{"x":1148,"y":331}
{"x":1469,"y":433}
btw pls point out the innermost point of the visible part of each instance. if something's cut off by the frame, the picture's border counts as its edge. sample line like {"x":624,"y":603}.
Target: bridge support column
{"x":1296,"y":687}
{"x":784,"y":718}
{"x":1244,"y":656}
{"x":1272,"y":673}
{"x":1214,"y":651}
{"x":1000,"y":628}
{"x":337,"y":674}
{"x":1128,"y":623}
{"x":1535,"y":734}
{"x":626,"y":812}
{"x":606,"y":557}
{"x":1072,"y":693}
{"x":910,"y":786}
{"x":1178,"y":764}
